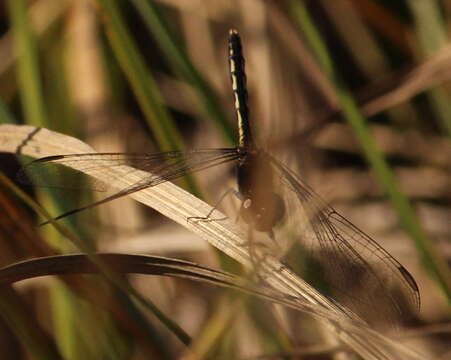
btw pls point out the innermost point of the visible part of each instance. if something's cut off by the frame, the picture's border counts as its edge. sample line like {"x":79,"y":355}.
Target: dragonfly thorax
{"x":262,"y":208}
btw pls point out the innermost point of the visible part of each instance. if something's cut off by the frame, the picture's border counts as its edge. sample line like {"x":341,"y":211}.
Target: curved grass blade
{"x":179,"y":205}
{"x":153,"y":265}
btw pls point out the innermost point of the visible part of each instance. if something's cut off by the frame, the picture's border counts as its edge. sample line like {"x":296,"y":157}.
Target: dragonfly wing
{"x":357,"y":271}
{"x":68,"y":171}
{"x":164,"y":166}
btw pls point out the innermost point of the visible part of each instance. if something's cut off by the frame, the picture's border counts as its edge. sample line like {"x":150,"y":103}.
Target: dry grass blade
{"x":77,"y":264}
{"x":433,"y":72}
{"x":179,"y":205}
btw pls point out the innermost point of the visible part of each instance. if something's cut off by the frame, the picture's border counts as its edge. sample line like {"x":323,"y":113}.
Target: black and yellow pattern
{"x":238,"y":76}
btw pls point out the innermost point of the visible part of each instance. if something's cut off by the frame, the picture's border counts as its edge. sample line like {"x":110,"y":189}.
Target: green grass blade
{"x":6,"y":117}
{"x":141,"y":80}
{"x":27,"y":65}
{"x":432,"y":36}
{"x":29,"y":79}
{"x":182,"y":66}
{"x":432,"y":261}
{"x":126,"y":290}
{"x":15,"y":313}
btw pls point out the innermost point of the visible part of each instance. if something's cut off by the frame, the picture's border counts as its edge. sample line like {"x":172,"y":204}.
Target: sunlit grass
{"x":151,"y":90}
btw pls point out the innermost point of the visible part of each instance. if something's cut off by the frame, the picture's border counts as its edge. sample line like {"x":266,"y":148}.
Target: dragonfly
{"x":359,"y":272}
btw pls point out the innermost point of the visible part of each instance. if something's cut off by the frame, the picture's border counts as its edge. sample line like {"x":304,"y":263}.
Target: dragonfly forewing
{"x":160,"y":167}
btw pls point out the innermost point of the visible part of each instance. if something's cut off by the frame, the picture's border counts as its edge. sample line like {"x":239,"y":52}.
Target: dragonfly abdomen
{"x":238,"y":77}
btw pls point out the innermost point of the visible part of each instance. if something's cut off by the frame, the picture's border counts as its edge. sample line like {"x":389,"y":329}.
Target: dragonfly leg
{"x":215,"y":207}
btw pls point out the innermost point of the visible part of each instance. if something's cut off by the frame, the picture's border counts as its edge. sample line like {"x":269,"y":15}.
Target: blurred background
{"x":326,"y":81}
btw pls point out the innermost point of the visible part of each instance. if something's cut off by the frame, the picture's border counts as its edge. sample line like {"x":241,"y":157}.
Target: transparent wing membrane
{"x":53,"y":171}
{"x":352,"y":267}
{"x":56,"y":171}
